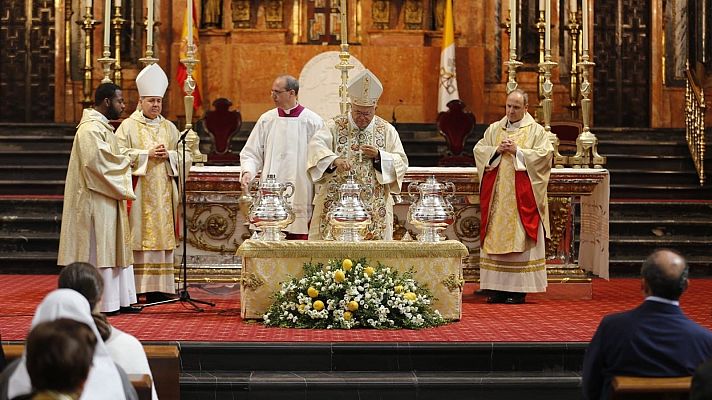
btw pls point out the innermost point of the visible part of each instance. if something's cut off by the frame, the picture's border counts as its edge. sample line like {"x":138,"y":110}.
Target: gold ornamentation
{"x":467,"y":228}
{"x":559,"y":212}
{"x":273,"y":14}
{"x":413,"y":14}
{"x":453,"y":283}
{"x":251,"y":281}
{"x":586,"y":142}
{"x":695,"y":122}
{"x":210,"y":226}
{"x":380,"y":12}
{"x":241,"y":12}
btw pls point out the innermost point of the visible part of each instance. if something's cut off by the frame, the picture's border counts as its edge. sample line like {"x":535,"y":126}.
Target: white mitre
{"x":152,"y":81}
{"x":365,"y":89}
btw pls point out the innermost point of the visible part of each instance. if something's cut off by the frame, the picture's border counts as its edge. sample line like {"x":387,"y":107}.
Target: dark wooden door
{"x":622,"y":57}
{"x":27,"y":51}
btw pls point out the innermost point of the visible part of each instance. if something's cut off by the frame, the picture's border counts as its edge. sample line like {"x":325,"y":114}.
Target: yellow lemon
{"x":347,"y":264}
{"x":399,"y":289}
{"x":339,"y":276}
{"x":318,"y":305}
{"x":353,"y":305}
{"x":410,"y":296}
{"x":369,"y":271}
{"x":347,"y":315}
{"x":312,"y":292}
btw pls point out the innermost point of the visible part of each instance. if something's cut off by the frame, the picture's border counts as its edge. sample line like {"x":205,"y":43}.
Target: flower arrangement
{"x":344,"y":294}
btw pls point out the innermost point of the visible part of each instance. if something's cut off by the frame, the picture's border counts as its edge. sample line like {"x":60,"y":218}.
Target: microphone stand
{"x":183,"y":295}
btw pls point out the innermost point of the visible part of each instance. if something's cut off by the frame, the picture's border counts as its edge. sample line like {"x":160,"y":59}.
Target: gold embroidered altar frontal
{"x":266,"y":265}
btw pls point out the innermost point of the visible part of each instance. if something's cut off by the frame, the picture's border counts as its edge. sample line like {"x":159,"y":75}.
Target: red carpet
{"x":540,"y":320}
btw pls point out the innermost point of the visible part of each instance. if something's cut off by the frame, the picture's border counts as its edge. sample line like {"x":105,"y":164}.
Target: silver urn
{"x":430,"y":210}
{"x":270,"y":211}
{"x":349,"y":217}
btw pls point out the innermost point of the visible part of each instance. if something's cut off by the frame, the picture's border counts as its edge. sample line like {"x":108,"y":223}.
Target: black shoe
{"x":497,"y":297}
{"x":130,"y":310}
{"x":111,"y":313}
{"x":515,"y":298}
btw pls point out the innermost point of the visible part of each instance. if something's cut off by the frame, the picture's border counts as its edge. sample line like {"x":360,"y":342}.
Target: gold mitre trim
{"x":365,"y":89}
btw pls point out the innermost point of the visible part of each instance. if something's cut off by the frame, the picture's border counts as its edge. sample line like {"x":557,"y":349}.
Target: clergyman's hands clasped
{"x":370,"y":151}
{"x":159,"y":152}
{"x":507,"y":146}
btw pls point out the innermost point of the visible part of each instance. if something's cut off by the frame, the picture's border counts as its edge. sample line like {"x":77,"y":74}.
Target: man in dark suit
{"x":702,"y":382}
{"x":655,"y":339}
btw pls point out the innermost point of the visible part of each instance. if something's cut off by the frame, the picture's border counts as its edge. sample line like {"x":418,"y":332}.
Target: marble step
{"x":23,"y":242}
{"x":358,"y":385}
{"x":30,"y":262}
{"x":57,"y":157}
{"x":33,"y":172}
{"x":21,"y":223}
{"x":32,"y":187}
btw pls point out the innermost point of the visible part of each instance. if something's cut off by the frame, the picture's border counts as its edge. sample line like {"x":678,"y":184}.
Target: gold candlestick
{"x":106,"y":62}
{"x":118,"y":23}
{"x":512,"y":64}
{"x":192,"y":139}
{"x":148,"y":59}
{"x":547,"y":89}
{"x":344,"y":65}
{"x":88,"y":27}
{"x":541,"y":28}
{"x":586,"y":142}
{"x":574,"y":30}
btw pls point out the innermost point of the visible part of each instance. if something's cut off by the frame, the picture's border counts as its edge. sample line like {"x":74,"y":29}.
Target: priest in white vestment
{"x":278,"y":145}
{"x":157,"y":160}
{"x":95,"y":228}
{"x":364,"y":143}
{"x":514,"y":162}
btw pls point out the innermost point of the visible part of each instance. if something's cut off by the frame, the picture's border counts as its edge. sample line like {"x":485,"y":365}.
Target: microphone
{"x":183,"y":135}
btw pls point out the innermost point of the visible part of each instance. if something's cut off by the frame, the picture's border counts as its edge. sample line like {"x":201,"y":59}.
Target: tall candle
{"x":344,"y":37}
{"x":547,"y":30}
{"x":190,"y":23}
{"x":107,"y":23}
{"x":149,"y":41}
{"x":572,"y":6}
{"x":584,"y":22}
{"x":89,"y":4}
{"x":117,"y":3}
{"x":513,"y":26}
{"x":541,"y":4}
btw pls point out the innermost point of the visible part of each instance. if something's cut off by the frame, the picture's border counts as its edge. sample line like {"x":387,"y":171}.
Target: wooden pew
{"x":142,"y":383}
{"x":163,"y":360}
{"x":634,"y":387}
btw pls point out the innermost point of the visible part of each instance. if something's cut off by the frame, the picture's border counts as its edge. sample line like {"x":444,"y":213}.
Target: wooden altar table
{"x":267,"y":264}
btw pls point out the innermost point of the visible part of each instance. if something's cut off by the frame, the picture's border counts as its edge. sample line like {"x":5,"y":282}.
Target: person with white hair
{"x":152,"y":143}
{"x":106,"y":380}
{"x":366,"y":144}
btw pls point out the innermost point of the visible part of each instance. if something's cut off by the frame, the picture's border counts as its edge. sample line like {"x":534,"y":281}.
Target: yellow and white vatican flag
{"x":447,"y":84}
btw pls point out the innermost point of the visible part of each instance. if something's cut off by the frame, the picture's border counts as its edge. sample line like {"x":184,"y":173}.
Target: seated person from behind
{"x":106,"y":380}
{"x":125,"y":350}
{"x":59,"y":355}
{"x":656,"y":339}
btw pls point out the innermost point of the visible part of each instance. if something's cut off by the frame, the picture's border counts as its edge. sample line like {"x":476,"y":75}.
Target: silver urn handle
{"x":412,"y":192}
{"x":451,"y":194}
{"x":288,"y":185}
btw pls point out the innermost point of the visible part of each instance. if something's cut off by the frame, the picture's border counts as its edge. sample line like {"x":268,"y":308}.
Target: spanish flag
{"x":182,"y":73}
{"x":447,"y":84}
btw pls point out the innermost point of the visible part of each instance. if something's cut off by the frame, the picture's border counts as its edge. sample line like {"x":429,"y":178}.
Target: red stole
{"x":526,"y":202}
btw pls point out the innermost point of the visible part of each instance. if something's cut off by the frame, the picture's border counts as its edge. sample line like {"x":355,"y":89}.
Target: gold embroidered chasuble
{"x":154,"y":215}
{"x":98,"y":183}
{"x":342,"y":138}
{"x":509,"y":259}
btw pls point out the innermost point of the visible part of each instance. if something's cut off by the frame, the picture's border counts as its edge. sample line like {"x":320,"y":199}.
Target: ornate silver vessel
{"x":270,"y":211}
{"x":430,"y":211}
{"x":348,"y":217}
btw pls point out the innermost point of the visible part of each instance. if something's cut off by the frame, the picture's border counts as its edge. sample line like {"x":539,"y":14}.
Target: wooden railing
{"x":695,"y":123}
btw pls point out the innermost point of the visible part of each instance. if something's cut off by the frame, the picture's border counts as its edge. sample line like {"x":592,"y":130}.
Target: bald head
{"x":665,"y":274}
